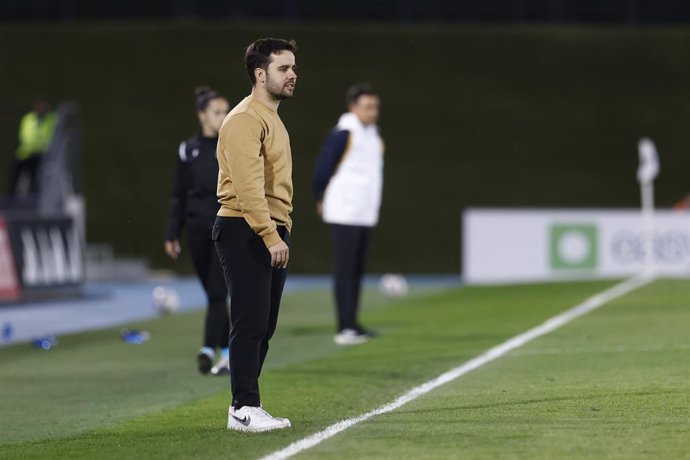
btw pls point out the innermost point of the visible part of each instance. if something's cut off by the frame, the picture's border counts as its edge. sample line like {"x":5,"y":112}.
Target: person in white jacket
{"x":348,"y":182}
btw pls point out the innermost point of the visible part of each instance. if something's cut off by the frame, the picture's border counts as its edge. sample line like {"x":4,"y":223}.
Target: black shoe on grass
{"x":204,"y":361}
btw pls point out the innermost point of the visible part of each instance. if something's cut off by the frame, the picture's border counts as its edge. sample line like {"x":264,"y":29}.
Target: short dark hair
{"x":357,"y":91}
{"x":258,"y":54}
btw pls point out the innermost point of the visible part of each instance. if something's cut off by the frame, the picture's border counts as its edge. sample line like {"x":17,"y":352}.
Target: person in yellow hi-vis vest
{"x":35,"y":134}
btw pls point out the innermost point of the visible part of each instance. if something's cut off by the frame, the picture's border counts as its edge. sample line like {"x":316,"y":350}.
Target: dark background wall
{"x":497,"y":116}
{"x":552,"y":11}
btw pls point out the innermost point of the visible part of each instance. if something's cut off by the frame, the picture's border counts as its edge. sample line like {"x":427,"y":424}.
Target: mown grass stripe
{"x":550,"y":325}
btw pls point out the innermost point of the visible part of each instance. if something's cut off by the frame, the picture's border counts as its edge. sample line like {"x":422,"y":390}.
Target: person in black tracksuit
{"x":194,"y":205}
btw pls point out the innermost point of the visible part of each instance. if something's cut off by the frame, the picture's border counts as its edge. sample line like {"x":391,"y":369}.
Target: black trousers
{"x":210,"y":273}
{"x":25,"y":168}
{"x":350,"y":248}
{"x":257,"y":289}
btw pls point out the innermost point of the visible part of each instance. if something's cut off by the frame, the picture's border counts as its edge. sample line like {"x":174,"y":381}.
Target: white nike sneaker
{"x":254,"y":419}
{"x":222,"y":367}
{"x":350,"y":337}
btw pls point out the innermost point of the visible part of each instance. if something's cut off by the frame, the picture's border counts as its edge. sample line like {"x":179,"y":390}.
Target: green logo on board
{"x":574,"y":247}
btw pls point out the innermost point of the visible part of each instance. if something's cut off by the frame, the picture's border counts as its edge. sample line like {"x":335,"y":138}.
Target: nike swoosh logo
{"x":244,"y":421}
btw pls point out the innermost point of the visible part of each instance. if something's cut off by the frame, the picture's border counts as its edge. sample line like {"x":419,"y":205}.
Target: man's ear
{"x":260,"y":75}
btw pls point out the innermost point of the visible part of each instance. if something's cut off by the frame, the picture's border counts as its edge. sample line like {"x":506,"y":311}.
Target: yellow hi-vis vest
{"x":35,"y":134}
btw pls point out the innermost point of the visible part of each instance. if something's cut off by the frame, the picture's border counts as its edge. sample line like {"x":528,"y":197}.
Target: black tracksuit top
{"x":194,"y":202}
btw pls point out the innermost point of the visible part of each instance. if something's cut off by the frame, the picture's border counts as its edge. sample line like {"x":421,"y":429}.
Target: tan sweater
{"x":255,"y":162}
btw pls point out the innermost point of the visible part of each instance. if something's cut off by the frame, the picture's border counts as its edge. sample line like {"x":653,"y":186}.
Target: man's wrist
{"x":272,"y":238}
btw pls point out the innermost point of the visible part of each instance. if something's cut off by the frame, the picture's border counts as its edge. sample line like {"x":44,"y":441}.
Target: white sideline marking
{"x":492,"y":354}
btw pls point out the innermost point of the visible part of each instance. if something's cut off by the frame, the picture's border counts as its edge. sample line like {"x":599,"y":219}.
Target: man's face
{"x":366,"y":108}
{"x":41,"y":108}
{"x":281,"y":76}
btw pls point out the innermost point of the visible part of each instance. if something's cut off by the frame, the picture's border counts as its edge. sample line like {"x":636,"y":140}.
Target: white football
{"x":392,"y":285}
{"x":165,"y":300}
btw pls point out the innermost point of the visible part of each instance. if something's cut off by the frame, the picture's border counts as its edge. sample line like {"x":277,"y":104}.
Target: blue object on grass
{"x":7,"y":331}
{"x":134,"y":336}
{"x":46,"y":343}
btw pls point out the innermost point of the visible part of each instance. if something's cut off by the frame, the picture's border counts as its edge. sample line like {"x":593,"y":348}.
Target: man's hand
{"x":173,"y":248}
{"x":280,"y":253}
{"x":319,"y":208}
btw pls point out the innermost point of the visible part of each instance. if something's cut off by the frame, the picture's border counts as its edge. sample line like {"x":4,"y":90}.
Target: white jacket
{"x":353,"y":195}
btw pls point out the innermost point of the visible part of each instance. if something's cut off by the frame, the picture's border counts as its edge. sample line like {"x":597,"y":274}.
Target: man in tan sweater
{"x":252,"y":229}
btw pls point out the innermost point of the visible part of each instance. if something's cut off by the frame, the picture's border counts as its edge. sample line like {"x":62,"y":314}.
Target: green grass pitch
{"x":614,"y":384}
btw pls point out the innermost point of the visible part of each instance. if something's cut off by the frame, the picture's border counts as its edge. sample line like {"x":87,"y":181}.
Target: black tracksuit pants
{"x":255,"y":297}
{"x":210,"y":273}
{"x":27,"y":167}
{"x":350,"y":249}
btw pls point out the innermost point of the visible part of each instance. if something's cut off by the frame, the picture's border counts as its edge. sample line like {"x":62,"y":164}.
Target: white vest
{"x":353,"y":195}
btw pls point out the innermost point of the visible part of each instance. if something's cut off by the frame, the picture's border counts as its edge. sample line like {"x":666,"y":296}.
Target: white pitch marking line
{"x":492,"y":354}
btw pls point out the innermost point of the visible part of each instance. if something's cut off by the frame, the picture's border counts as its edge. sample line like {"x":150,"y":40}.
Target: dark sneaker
{"x":205,"y":361}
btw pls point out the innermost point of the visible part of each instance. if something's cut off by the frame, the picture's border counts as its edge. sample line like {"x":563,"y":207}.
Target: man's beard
{"x":277,"y":92}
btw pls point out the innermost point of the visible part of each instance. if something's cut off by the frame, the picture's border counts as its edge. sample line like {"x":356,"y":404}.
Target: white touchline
{"x":492,"y":354}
